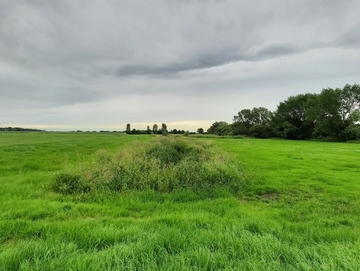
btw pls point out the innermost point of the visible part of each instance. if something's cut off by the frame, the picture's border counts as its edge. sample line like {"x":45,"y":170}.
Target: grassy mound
{"x":163,"y":165}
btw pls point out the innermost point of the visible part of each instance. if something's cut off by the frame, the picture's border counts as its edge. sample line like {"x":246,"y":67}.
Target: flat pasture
{"x":299,"y":210}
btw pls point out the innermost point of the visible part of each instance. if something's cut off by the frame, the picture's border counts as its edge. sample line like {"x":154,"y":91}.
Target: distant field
{"x":299,"y":210}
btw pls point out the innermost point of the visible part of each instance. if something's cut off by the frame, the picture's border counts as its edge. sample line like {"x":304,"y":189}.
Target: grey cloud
{"x":211,"y":60}
{"x":277,"y":50}
{"x":350,"y":39}
{"x":200,"y":62}
{"x":65,"y":53}
{"x":157,"y":38}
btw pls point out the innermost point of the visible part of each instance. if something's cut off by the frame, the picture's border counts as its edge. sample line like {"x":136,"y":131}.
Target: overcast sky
{"x":95,"y":65}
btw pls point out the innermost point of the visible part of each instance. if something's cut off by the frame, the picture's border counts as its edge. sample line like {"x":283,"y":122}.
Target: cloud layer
{"x":100,"y":64}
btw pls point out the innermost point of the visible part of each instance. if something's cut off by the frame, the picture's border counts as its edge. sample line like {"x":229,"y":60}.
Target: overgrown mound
{"x":163,"y":165}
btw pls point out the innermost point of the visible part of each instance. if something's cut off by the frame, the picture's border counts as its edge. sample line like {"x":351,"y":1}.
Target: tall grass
{"x":300,"y":209}
{"x":163,"y":165}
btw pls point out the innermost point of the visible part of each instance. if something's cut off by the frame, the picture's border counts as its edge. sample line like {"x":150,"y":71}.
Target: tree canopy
{"x":333,"y":114}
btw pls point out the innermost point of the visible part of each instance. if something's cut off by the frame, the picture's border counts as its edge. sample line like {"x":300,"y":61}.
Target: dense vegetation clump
{"x":332,"y":115}
{"x":163,"y":165}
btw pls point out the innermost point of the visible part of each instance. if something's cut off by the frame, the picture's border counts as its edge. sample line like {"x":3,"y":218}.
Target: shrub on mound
{"x":163,"y":165}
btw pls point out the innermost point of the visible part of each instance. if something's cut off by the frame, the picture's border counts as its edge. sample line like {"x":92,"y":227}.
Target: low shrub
{"x":67,"y":183}
{"x":261,"y":131}
{"x":163,"y":165}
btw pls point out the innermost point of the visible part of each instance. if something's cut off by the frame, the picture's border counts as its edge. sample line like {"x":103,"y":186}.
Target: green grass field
{"x":299,"y":210}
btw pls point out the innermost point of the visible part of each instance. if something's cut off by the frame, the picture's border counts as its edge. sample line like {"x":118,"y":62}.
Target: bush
{"x":260,"y":131}
{"x":164,"y":165}
{"x":67,"y":183}
{"x":351,"y":132}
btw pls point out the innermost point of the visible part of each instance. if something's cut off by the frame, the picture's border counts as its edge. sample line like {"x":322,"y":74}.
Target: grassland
{"x":299,"y":210}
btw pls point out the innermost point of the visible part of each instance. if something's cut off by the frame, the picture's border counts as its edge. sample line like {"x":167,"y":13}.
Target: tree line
{"x":19,"y":129}
{"x":334,"y":114}
{"x":155,"y":130}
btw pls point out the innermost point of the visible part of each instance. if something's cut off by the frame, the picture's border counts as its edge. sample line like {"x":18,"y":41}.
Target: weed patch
{"x":163,"y":165}
{"x":67,"y":183}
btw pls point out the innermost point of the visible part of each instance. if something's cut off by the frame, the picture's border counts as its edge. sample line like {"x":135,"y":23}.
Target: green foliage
{"x":19,"y":129}
{"x":163,"y":127}
{"x":247,"y":118}
{"x":67,"y":183}
{"x":155,"y":128}
{"x":164,"y":130}
{"x":200,"y":130}
{"x":292,"y":118}
{"x":350,"y":103}
{"x":220,"y":128}
{"x":290,"y":131}
{"x":299,"y":210}
{"x":325,"y":112}
{"x":333,"y":115}
{"x":336,"y":111}
{"x":261,"y":131}
{"x":128,"y":128}
{"x":351,"y":132}
{"x":325,"y":115}
{"x":164,"y":165}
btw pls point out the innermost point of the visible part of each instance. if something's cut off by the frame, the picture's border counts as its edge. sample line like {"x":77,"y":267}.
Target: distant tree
{"x":247,"y":118}
{"x":175,"y":131}
{"x":200,"y":131}
{"x":163,"y":127}
{"x":335,"y":111}
{"x":352,"y":132}
{"x":242,"y":122}
{"x":350,"y":104}
{"x":148,"y":129}
{"x":220,"y":128}
{"x":213,"y":127}
{"x":186,"y":133}
{"x":292,"y":117}
{"x":19,"y":129}
{"x":261,"y":131}
{"x":224,"y":129}
{"x":155,"y":128}
{"x":328,"y":117}
{"x":128,"y":128}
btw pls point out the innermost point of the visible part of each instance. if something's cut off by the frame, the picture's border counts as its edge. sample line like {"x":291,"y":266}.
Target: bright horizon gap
{"x":191,"y":126}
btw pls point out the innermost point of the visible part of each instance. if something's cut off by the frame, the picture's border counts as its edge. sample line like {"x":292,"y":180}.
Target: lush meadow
{"x":297,"y":206}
